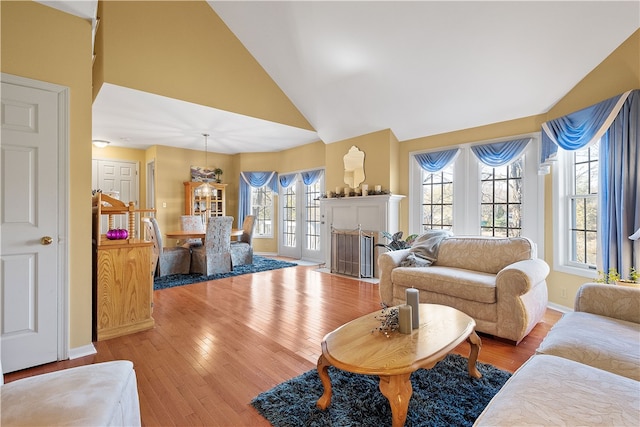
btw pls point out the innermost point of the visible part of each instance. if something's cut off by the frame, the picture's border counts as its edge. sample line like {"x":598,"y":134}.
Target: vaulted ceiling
{"x":418,"y":68}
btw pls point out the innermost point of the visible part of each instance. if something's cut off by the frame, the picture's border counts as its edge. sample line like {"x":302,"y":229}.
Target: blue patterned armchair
{"x":214,"y":256}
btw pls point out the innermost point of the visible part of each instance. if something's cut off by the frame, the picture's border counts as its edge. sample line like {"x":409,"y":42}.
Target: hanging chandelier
{"x":205,"y":188}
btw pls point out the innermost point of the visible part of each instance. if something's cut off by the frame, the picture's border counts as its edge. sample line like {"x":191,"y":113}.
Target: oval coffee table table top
{"x":355,"y":348}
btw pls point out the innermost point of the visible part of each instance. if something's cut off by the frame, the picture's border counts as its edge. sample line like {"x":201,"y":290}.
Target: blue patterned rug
{"x":259,"y":264}
{"x":442,"y":396}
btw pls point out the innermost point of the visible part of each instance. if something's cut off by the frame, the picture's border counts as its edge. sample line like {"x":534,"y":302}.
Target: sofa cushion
{"x":485,"y":254}
{"x":549,"y":390}
{"x":102,"y":394}
{"x":455,"y":282}
{"x":599,"y":341}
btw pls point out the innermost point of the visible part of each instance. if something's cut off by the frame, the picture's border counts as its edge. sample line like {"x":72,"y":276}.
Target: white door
{"x":300,"y":234}
{"x":32,"y":249}
{"x":119,"y":177}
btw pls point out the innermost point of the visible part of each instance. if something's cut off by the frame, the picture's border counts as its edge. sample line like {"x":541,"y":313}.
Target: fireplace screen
{"x":352,"y":252}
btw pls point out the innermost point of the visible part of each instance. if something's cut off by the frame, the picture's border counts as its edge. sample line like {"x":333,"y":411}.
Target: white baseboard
{"x":560,"y":308}
{"x":85,"y":350}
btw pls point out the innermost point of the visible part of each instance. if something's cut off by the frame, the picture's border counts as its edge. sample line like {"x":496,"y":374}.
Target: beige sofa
{"x":102,"y":394}
{"x":586,"y":371}
{"x":499,"y":282}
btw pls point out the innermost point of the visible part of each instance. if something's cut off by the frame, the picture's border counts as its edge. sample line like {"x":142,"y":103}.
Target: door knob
{"x":46,"y":240}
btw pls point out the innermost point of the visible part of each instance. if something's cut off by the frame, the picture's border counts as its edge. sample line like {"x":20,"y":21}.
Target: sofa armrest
{"x":387,"y":261}
{"x":618,"y":302}
{"x":518,"y":278}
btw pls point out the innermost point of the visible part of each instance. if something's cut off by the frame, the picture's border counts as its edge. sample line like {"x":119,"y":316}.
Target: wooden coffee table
{"x":393,"y":357}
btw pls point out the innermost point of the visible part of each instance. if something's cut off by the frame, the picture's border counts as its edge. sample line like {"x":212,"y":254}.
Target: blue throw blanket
{"x":424,"y":250}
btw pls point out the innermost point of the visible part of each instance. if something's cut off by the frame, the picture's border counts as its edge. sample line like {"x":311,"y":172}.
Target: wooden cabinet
{"x":197,"y":202}
{"x":122,"y":276}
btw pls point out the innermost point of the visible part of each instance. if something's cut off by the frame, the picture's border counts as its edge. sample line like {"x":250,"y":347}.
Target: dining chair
{"x":242,"y":249}
{"x":214,"y":256}
{"x":165,"y":261}
{"x":191,"y":223}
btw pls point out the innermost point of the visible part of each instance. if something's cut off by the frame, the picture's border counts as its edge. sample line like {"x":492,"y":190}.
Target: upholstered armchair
{"x":166,"y":261}
{"x":242,"y":249}
{"x":191,"y":223}
{"x":214,"y":256}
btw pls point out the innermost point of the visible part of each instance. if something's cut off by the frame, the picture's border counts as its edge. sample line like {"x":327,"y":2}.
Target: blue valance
{"x":286,"y":180}
{"x":500,"y":153}
{"x":310,"y":177}
{"x":578,"y":130}
{"x":435,"y":162}
{"x":256,"y":180}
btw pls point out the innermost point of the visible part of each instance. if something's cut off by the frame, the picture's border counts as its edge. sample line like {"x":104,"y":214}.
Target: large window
{"x":501,"y":200}
{"x":437,"y":199}
{"x":583,"y":206}
{"x":470,"y":198}
{"x":262,"y":208}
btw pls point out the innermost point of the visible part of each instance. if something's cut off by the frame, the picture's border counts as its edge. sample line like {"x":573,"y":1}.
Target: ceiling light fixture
{"x":100,"y":143}
{"x":205,"y":188}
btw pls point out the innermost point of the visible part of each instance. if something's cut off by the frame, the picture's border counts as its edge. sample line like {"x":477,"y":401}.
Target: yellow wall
{"x":183,"y":50}
{"x":44,"y":44}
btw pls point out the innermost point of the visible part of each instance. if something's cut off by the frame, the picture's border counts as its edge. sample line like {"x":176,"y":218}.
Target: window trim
{"x":466,"y":193}
{"x":562,"y":180}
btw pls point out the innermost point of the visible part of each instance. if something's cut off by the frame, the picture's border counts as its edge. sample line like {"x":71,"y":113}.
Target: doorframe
{"x":63,"y":206}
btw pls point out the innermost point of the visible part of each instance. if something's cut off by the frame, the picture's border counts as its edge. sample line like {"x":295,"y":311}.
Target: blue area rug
{"x":442,"y":396}
{"x":259,"y":264}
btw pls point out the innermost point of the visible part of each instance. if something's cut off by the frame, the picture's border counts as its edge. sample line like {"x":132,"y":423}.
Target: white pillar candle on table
{"x":404,"y":319}
{"x":378,"y":188}
{"x":413,"y":299}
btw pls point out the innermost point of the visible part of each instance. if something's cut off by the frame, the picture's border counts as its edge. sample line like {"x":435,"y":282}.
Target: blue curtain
{"x":500,"y":153}
{"x":619,"y":198}
{"x":435,"y":162}
{"x":310,"y":177}
{"x":578,"y":130}
{"x":256,"y":180}
{"x":616,"y":123}
{"x":287,"y":180}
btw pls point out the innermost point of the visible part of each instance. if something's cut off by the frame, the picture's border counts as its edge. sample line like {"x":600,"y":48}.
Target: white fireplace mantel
{"x":371,"y":213}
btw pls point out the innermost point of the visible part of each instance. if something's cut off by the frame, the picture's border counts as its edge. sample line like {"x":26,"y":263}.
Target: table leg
{"x":323,"y":373}
{"x":474,"y":341}
{"x":397,"y":388}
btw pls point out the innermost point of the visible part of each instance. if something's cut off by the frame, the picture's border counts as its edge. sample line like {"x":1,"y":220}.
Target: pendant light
{"x":205,"y":188}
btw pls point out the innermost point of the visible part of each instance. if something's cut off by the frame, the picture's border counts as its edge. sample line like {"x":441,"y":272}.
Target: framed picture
{"x":202,"y":174}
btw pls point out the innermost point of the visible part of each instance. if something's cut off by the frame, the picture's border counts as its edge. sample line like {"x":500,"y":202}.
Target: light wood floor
{"x":218,"y":344}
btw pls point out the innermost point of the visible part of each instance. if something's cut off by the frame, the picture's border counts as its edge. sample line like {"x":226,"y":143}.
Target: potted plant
{"x":218,"y":173}
{"x":613,"y":277}
{"x":395,"y":241}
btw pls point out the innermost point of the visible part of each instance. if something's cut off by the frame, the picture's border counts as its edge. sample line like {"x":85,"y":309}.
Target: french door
{"x":300,"y":234}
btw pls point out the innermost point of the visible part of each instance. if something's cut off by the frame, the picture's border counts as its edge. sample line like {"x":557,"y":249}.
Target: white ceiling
{"x":418,"y":68}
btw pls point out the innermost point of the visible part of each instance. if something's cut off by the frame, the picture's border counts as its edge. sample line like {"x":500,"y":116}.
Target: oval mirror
{"x":354,"y":167}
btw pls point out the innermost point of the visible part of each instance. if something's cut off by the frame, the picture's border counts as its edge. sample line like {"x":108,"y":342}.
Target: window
{"x":501,"y":200}
{"x":437,"y":199}
{"x":262,"y":208}
{"x":470,"y":198}
{"x":583,"y":206}
{"x":289,"y":215}
{"x":312,"y":218}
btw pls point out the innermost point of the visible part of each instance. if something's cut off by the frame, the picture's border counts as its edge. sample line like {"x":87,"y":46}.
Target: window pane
{"x":501,"y":200}
{"x":437,"y":199}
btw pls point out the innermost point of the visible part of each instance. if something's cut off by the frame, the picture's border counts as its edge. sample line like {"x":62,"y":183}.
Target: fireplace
{"x":372,"y":213}
{"x":352,"y":252}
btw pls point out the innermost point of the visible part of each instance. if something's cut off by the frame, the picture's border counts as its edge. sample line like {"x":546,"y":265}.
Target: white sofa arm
{"x":386,"y":263}
{"x":518,"y":278}
{"x":618,"y":302}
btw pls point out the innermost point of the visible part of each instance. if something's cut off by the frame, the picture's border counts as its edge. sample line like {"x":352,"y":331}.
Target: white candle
{"x":378,"y":188}
{"x":413,"y":299}
{"x":404,"y":319}
{"x":365,"y":187}
{"x":328,"y":194}
{"x":347,"y":190}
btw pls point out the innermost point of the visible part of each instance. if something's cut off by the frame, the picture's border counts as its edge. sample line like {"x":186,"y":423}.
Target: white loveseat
{"x":586,"y":371}
{"x":499,"y":282}
{"x":102,"y":394}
